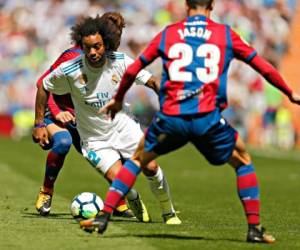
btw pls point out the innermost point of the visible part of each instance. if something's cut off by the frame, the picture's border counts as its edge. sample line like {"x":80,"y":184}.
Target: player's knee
{"x":150,"y":169}
{"x":62,"y":142}
{"x":240,"y":158}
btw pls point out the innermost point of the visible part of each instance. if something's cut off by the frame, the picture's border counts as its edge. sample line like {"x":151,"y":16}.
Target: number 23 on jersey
{"x":209,"y":73}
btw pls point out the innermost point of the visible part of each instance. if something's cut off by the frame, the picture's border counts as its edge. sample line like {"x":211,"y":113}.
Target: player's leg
{"x":160,"y":188}
{"x":107,"y":162}
{"x":159,"y":139}
{"x":119,"y":188}
{"x":248,"y":191}
{"x":75,"y":136}
{"x":128,"y":140}
{"x":61,"y":142}
{"x":133,"y":197}
{"x":122,"y":209}
{"x":221,"y":144}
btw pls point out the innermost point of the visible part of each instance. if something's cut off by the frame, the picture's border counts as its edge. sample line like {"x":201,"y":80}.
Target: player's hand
{"x":295,"y":98}
{"x":111,"y":108}
{"x":40,"y":136}
{"x":65,"y":117}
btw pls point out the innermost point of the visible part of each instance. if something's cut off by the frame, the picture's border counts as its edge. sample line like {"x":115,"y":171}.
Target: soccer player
{"x":60,"y":124}
{"x":196,"y":54}
{"x":92,"y":79}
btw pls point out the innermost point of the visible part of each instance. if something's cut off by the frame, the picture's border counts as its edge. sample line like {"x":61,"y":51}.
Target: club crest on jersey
{"x":114,"y":79}
{"x":82,"y":79}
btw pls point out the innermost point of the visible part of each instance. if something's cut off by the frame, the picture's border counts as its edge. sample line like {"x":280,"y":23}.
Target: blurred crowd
{"x":34,"y":33}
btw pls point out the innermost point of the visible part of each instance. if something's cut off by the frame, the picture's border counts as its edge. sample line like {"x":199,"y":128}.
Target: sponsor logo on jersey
{"x":83,"y":90}
{"x":186,"y":93}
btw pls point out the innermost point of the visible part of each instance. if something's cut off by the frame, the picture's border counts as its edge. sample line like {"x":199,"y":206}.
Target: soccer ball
{"x":86,"y":205}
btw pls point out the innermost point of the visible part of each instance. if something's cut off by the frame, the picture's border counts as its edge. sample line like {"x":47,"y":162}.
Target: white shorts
{"x":122,"y":144}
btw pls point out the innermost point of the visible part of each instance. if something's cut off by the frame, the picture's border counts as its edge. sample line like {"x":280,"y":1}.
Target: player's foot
{"x":123,"y":211}
{"x":98,"y":224}
{"x":257,"y":234}
{"x":43,"y":203}
{"x":139,"y":209}
{"x":171,"y":219}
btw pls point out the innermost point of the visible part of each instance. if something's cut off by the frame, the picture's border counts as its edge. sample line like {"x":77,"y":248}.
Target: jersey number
{"x":211,"y":54}
{"x":93,"y":158}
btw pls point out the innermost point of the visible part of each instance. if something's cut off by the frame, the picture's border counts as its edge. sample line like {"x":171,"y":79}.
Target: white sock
{"x":160,"y":188}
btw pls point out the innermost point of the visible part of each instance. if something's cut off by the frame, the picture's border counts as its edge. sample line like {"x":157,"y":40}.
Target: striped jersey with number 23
{"x":196,"y":53}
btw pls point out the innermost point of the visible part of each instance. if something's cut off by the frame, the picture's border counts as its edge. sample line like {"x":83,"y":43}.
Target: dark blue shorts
{"x":209,"y":133}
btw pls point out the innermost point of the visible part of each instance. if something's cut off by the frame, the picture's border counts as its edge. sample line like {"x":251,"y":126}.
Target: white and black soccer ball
{"x":86,"y":205}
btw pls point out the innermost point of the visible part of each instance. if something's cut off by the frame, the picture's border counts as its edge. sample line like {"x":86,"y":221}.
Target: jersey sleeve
{"x":142,"y":77}
{"x":270,"y":74}
{"x":152,"y":51}
{"x":53,"y":107}
{"x":56,"y":82}
{"x":241,"y":49}
{"x":68,"y":54}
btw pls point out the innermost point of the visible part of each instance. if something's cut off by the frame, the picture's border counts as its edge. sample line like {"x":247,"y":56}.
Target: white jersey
{"x":90,"y":89}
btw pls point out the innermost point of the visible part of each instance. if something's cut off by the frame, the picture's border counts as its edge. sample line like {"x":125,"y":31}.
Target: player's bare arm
{"x":153,"y":83}
{"x":111,"y":108}
{"x":65,"y":117}
{"x":39,"y":132}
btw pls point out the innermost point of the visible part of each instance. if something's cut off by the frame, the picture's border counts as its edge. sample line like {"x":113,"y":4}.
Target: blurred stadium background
{"x":34,"y":33}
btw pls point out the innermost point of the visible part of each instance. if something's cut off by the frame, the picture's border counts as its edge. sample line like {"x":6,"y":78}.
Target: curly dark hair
{"x":109,"y":26}
{"x":193,"y":4}
{"x":115,"y":23}
{"x":115,"y":18}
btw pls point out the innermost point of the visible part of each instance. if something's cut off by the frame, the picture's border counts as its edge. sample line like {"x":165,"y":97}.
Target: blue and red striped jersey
{"x":196,"y":54}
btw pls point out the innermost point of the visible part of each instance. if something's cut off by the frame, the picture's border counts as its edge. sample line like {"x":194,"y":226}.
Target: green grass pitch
{"x":205,"y":196}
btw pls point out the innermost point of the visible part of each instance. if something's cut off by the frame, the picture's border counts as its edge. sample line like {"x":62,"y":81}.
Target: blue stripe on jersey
{"x":77,"y":50}
{"x":71,"y":68}
{"x":74,"y":68}
{"x":143,"y":59}
{"x":221,"y":95}
{"x":250,"y":57}
{"x":191,"y":105}
{"x":115,"y":55}
{"x":66,"y":68}
{"x":165,"y":73}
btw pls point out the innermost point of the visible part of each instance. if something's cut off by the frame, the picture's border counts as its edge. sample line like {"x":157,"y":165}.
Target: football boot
{"x":43,"y":202}
{"x":257,"y":234}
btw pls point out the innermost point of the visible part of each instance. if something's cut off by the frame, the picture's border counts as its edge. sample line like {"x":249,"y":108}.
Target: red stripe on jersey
{"x":207,"y":98}
{"x":171,"y":104}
